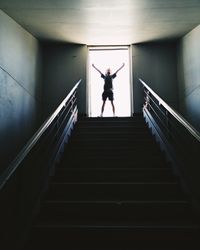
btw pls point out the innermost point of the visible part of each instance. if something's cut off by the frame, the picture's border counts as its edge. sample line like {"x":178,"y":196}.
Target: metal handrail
{"x":5,"y":176}
{"x":174,"y":113}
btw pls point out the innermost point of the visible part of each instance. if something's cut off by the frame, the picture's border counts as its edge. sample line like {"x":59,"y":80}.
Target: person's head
{"x":108,"y":71}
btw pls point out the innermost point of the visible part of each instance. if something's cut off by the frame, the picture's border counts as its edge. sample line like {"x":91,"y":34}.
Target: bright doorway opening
{"x":104,"y":58}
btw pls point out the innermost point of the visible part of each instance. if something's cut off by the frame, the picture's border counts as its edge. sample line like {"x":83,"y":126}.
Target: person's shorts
{"x":107,"y":94}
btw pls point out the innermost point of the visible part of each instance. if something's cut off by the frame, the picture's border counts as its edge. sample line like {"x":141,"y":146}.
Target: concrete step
{"x":127,"y":140}
{"x":115,"y":191}
{"x":114,"y":175}
{"x":138,"y":236}
{"x":96,"y":149}
{"x":110,"y":212}
{"x":113,"y":155}
{"x":114,"y":132}
{"x":123,"y":147}
{"x":111,"y":121}
{"x":139,"y":162}
{"x":138,"y":117}
{"x":111,"y":130}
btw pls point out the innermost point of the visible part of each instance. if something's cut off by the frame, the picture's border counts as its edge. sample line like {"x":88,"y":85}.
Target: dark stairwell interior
{"x":102,"y":206}
{"x":114,"y":189}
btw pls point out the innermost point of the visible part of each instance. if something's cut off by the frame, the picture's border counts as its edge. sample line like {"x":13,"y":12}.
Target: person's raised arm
{"x":120,"y":68}
{"x":97,"y":69}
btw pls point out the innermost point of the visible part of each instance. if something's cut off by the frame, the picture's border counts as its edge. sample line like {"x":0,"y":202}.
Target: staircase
{"x":114,"y":189}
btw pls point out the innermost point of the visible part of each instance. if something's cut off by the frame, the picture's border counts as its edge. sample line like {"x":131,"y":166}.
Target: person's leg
{"x":104,"y":97}
{"x":102,"y":108}
{"x":111,"y":98}
{"x":113,"y":108}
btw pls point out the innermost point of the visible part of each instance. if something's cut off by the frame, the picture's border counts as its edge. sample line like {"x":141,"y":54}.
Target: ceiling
{"x":105,"y":22}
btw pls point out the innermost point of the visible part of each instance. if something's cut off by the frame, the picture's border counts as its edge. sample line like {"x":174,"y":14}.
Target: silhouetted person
{"x":108,"y":87}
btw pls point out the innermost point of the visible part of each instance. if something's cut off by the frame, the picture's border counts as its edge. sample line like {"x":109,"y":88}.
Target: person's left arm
{"x":119,"y":68}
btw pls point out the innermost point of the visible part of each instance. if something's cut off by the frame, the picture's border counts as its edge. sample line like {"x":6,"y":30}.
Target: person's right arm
{"x":97,"y":69}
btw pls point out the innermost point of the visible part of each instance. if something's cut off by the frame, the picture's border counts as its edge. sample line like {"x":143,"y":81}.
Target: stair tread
{"x":114,"y":169}
{"x":116,"y":183}
{"x":151,"y":224}
{"x":183,"y":202}
{"x":114,"y":188}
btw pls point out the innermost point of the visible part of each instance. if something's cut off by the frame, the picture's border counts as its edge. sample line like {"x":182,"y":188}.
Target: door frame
{"x":88,"y":91}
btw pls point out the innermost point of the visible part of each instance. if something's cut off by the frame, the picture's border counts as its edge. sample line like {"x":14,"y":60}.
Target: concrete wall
{"x":20,"y":88}
{"x":64,"y":65}
{"x":156,"y":64}
{"x":189,"y":76}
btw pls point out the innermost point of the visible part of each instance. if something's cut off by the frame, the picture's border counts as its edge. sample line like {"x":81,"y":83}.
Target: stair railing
{"x":23,"y":183}
{"x":177,"y":137}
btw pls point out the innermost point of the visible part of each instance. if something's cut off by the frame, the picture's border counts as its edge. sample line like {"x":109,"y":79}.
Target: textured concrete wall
{"x":189,"y":76}
{"x":156,"y":64}
{"x":20,"y":89}
{"x":64,"y":65}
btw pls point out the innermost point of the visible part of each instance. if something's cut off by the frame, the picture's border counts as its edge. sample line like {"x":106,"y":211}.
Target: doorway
{"x":104,"y":58}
